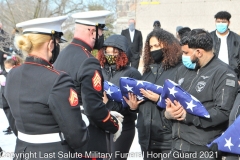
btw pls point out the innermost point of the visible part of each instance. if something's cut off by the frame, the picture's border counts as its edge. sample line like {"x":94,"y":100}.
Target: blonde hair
{"x":29,"y":42}
{"x":14,"y":60}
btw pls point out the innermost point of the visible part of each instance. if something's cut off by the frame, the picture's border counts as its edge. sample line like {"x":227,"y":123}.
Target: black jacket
{"x":154,"y":130}
{"x":215,"y":86}
{"x":36,"y":101}
{"x":233,"y":43}
{"x":111,"y":74}
{"x":136,"y":45}
{"x":76,"y":59}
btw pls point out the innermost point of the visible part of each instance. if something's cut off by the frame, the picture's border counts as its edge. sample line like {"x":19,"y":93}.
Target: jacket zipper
{"x":178,"y":122}
{"x":110,"y":70}
{"x":222,"y":94}
{"x":193,"y":80}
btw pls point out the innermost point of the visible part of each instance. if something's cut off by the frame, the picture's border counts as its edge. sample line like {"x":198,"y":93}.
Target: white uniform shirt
{"x":223,"y":51}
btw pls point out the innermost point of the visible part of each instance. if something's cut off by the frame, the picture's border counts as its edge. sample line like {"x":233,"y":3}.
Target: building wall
{"x":172,"y":13}
{"x":126,"y":9}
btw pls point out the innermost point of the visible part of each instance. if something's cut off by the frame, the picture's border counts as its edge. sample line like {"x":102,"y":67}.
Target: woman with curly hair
{"x":114,"y":61}
{"x":162,"y":57}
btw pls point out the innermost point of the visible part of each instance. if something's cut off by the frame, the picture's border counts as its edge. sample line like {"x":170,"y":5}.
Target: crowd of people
{"x":55,"y":101}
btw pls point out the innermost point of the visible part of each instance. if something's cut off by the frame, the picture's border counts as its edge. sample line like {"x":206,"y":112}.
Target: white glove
{"x":117,"y":115}
{"x":120,"y":120}
{"x":85,"y":119}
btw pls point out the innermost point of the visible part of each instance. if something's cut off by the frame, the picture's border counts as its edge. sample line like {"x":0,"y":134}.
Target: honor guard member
{"x":40,"y":102}
{"x":76,"y":59}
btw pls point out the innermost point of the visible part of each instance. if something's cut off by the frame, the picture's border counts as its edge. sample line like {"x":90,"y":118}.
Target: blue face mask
{"x":221,"y":27}
{"x":188,"y":62}
{"x":131,"y":26}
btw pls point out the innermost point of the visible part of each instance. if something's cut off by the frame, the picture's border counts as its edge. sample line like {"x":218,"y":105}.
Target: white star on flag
{"x":139,"y":82}
{"x":109,"y":92}
{"x":239,"y":144}
{"x":207,"y":116}
{"x":139,"y":97}
{"x":194,"y":98}
{"x":128,"y":88}
{"x":157,"y":86}
{"x":172,"y":91}
{"x":110,"y":84}
{"x":228,"y":143}
{"x":190,"y":105}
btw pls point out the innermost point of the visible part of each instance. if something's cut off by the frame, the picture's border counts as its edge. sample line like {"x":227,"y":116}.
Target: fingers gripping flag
{"x":113,"y":92}
{"x":132,"y":85}
{"x":192,"y":105}
{"x":229,"y":141}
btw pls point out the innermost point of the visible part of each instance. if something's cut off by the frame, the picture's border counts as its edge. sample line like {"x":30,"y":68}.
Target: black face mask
{"x":157,"y":55}
{"x":55,"y":53}
{"x":99,"y":43}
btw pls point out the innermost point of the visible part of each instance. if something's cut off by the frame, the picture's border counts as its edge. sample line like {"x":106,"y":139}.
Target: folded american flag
{"x":132,"y":85}
{"x":229,"y":141}
{"x":173,"y":91}
{"x":113,"y":92}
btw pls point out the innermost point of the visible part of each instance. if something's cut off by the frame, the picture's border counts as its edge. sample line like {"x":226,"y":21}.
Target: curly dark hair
{"x":223,"y":15}
{"x":198,"y":38}
{"x":171,"y":50}
{"x":121,"y":61}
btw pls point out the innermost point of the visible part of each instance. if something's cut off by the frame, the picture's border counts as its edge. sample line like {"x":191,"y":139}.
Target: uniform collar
{"x":82,"y":43}
{"x":38,"y":60}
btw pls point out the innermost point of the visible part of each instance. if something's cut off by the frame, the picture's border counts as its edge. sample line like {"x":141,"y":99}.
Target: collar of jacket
{"x":214,"y":57}
{"x":81,"y":43}
{"x":155,"y":67}
{"x":38,"y":60}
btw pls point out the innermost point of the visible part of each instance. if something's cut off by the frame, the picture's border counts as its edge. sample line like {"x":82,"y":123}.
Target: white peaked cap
{"x":43,"y":25}
{"x":92,"y":18}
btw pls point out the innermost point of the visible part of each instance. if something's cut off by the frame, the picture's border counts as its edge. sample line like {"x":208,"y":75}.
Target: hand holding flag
{"x":173,"y":91}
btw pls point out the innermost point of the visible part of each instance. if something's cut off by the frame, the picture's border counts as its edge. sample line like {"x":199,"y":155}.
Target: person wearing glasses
{"x":40,"y":102}
{"x":76,"y":59}
{"x":114,"y":62}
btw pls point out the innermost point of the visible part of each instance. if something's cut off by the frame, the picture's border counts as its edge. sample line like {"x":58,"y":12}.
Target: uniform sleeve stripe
{"x":108,"y":116}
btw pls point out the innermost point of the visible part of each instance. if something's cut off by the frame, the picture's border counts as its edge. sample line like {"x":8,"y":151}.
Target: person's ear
{"x":199,"y":53}
{"x":228,"y":23}
{"x":50,"y":45}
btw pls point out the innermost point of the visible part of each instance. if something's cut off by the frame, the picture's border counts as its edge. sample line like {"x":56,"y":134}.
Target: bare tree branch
{"x":10,"y":12}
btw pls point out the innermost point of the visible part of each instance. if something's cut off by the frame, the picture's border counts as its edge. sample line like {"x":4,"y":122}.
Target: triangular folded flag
{"x":132,"y":85}
{"x":173,"y":91}
{"x":113,"y":92}
{"x":229,"y":141}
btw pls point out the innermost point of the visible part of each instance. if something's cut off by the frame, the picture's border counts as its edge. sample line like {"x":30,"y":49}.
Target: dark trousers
{"x":121,"y":147}
{"x":152,"y":154}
